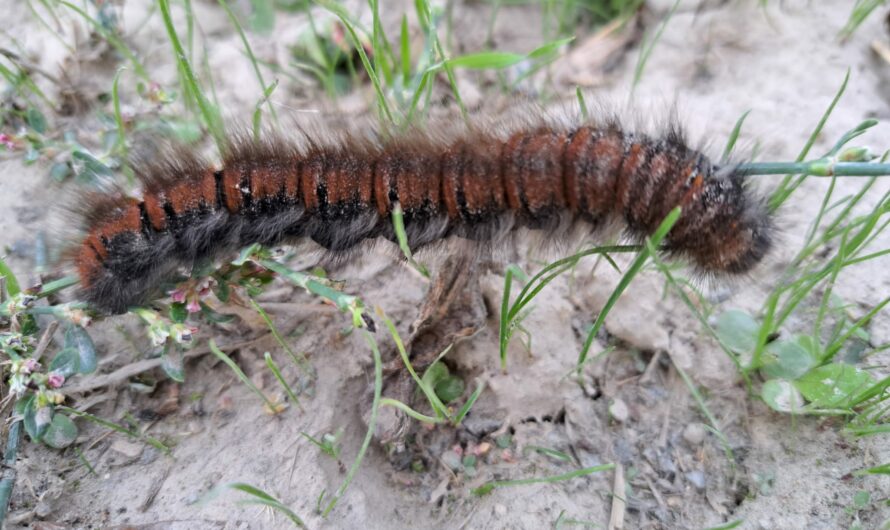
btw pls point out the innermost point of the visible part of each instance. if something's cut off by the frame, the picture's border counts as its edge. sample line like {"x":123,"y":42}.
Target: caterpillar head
{"x":726,"y":229}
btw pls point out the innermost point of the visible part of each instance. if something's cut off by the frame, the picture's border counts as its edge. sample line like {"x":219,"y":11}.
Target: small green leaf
{"x":435,"y":373}
{"x":830,"y":385}
{"x":861,"y":499}
{"x":60,"y":171}
{"x":178,"y":313}
{"x":486,"y":60}
{"x":483,"y":490}
{"x":450,"y":388}
{"x":213,"y":316}
{"x":810,"y":344}
{"x":61,"y":432}
{"x":12,"y":284}
{"x":262,"y":19}
{"x":855,"y":350}
{"x":738,"y":331}
{"x":246,"y":254}
{"x":78,"y":339}
{"x":43,"y":417}
{"x":92,"y":167}
{"x":787,"y":360}
{"x":222,"y":290}
{"x":861,"y":334}
{"x":173,"y":365}
{"x":26,"y":407}
{"x":66,"y":362}
{"x":781,"y":396}
{"x":549,"y":48}
{"x":35,"y":120}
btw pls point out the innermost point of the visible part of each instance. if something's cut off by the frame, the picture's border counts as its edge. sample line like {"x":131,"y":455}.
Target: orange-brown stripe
{"x":208,"y":188}
{"x":382,"y":182}
{"x":452,"y":167}
{"x":597,"y":186}
{"x":629,"y":167}
{"x":576,"y":164}
{"x":231,"y":180}
{"x":156,"y":215}
{"x":310,"y":174}
{"x":512,"y":156}
{"x":541,"y":174}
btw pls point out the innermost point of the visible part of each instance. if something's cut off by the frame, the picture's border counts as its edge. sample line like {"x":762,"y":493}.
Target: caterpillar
{"x":479,"y":185}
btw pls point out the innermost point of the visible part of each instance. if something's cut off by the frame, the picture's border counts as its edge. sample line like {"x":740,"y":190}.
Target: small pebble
{"x":500,"y":510}
{"x":480,"y":427}
{"x":43,"y":509}
{"x":452,"y":460}
{"x":697,"y":479}
{"x":694,"y":434}
{"x":618,"y":410}
{"x":126,"y":448}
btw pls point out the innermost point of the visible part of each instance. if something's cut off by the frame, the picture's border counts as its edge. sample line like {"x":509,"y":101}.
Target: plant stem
{"x":9,"y":472}
{"x":823,"y":167}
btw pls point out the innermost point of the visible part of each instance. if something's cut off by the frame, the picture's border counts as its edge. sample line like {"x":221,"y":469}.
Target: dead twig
{"x":155,"y":488}
{"x":619,"y":505}
{"x":45,"y":339}
{"x":122,"y":374}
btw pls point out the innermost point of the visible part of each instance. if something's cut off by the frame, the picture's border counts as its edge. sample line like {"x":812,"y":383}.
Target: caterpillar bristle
{"x":479,"y":185}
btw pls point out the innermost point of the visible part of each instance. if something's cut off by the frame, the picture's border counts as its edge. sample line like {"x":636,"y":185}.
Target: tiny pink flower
{"x":204,"y":287}
{"x":55,"y":380}
{"x":30,"y":365}
{"x":178,"y":295}
{"x":7,"y":141}
{"x":193,"y":306}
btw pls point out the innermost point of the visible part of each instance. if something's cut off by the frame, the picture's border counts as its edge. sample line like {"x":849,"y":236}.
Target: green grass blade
{"x":398,"y":222}
{"x":489,"y":486}
{"x":372,"y":425}
{"x":273,"y":366}
{"x":157,"y":444}
{"x":253,"y":61}
{"x":299,"y":360}
{"x":789,"y":184}
{"x":733,"y":137}
{"x":713,"y":426}
{"x":341,"y":13}
{"x":209,"y":113}
{"x":240,"y":374}
{"x":469,"y":404}
{"x":121,"y":144}
{"x":435,"y":403}
{"x":632,"y":271}
{"x":647,"y":48}
{"x":262,"y":498}
{"x":410,"y":412}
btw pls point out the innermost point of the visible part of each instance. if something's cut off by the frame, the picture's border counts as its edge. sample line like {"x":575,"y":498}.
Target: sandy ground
{"x":713,"y":63}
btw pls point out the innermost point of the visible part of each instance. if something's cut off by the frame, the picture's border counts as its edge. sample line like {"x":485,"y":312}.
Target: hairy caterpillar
{"x":479,"y":185}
